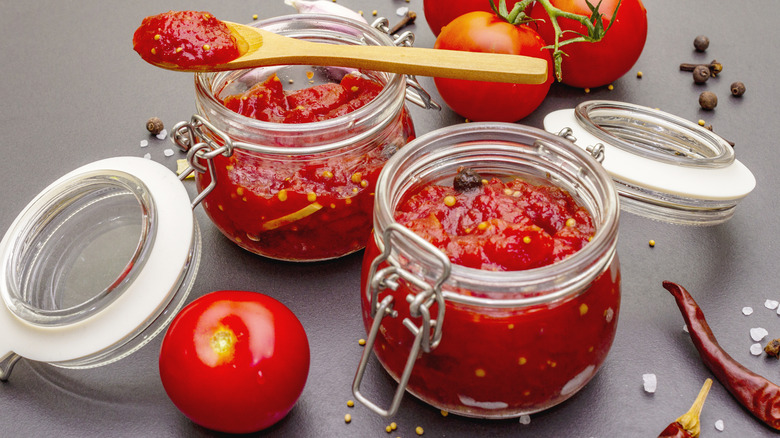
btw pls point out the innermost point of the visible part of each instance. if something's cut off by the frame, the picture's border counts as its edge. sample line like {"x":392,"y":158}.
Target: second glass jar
{"x":300,"y":191}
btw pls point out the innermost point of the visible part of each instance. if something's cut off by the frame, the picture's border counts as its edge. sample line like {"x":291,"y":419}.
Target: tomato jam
{"x":185,"y":39}
{"x":523,"y":263}
{"x":301,"y":147}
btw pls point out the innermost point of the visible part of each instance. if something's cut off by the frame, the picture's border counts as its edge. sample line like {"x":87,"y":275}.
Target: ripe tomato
{"x":481,"y":31}
{"x":439,"y":13}
{"x":235,"y":361}
{"x":596,"y":64}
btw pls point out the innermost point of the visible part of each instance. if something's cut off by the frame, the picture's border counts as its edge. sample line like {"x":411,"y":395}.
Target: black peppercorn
{"x":700,"y":43}
{"x":708,"y":100}
{"x":700,"y":74}
{"x":466,"y":180}
{"x":154,"y":125}
{"x":737,"y":89}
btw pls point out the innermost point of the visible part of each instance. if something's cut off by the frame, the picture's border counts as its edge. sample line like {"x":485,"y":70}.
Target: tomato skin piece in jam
{"x":185,"y":39}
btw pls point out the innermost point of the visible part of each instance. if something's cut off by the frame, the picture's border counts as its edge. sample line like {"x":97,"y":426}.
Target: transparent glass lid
{"x":94,"y":266}
{"x":664,"y":167}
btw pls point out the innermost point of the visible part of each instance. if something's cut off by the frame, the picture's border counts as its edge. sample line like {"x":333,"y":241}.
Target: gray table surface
{"x":73,"y":91}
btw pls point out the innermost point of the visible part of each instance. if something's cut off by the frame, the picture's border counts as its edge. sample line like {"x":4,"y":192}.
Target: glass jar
{"x":96,"y":265}
{"x":301,"y":191}
{"x":483,"y":343}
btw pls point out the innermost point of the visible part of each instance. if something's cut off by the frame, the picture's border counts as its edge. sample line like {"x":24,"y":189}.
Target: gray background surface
{"x":73,"y":91}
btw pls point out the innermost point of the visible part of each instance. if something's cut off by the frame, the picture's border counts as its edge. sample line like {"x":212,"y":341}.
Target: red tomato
{"x":439,"y":13}
{"x":481,"y":31}
{"x":235,"y":361}
{"x":596,"y":64}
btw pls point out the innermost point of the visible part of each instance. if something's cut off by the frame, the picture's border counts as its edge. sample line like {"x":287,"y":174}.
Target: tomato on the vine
{"x":481,"y":31}
{"x":592,"y":64}
{"x":235,"y":361}
{"x":438,"y":13}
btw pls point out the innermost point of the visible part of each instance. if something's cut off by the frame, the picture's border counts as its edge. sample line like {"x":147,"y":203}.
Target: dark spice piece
{"x":407,"y":19}
{"x":756,"y":393}
{"x":154,"y":125}
{"x":714,"y":66}
{"x":688,"y":425}
{"x":773,"y":348}
{"x":737,"y":89}
{"x":708,"y":100}
{"x":466,"y":180}
{"x":700,"y":74}
{"x":700,"y":43}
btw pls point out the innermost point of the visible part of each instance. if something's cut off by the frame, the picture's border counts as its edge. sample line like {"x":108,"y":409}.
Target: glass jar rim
{"x":326,"y":26}
{"x":579,"y":269}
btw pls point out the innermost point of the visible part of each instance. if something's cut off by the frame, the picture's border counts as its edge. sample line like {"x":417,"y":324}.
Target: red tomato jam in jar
{"x":496,"y":300}
{"x":290,"y":155}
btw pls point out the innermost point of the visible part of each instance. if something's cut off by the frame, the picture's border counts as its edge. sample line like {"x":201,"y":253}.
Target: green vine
{"x":594,"y":24}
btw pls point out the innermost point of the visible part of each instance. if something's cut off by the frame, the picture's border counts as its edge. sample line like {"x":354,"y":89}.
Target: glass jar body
{"x":512,"y":343}
{"x":302,"y":191}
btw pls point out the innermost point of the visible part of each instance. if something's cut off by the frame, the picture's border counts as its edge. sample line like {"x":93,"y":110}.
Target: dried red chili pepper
{"x":756,"y":393}
{"x":687,"y":425}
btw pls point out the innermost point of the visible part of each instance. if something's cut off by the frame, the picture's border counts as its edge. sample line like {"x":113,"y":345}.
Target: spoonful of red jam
{"x":197,"y":42}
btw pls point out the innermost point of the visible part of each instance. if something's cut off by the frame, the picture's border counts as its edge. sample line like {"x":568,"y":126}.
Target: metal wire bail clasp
{"x":427,"y":335}
{"x":190,"y":138}
{"x":596,"y":150}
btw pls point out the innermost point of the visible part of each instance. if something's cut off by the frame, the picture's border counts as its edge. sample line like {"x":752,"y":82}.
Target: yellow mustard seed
{"x":510,"y":326}
{"x":587,"y":90}
{"x":220,"y":207}
{"x":388,"y":429}
{"x":206,"y":47}
{"x":570,"y":222}
{"x":419,"y":430}
{"x":332,"y":205}
{"x":651,"y":243}
{"x":347,"y":418}
{"x":254,"y":17}
{"x":482,"y":226}
{"x":354,"y":88}
{"x":347,"y":201}
{"x":357,"y":177}
{"x":479,"y":372}
{"x":154,"y":51}
{"x":393,"y":425}
{"x":374,"y":12}
{"x":361,"y":342}
{"x":610,"y":87}
{"x":282,"y":195}
{"x":240,"y":191}
{"x":311,"y":196}
{"x":449,"y":201}
{"x":327,"y":174}
{"x":522,"y":361}
{"x":583,"y":309}
{"x":350,"y":403}
{"x":355,"y":190}
{"x":639,"y":74}
{"x":444,"y":413}
{"x":527,"y":239}
{"x":508,"y":192}
{"x":360,"y":12}
{"x":364,"y":183}
{"x":157,"y":37}
{"x":179,"y":49}
{"x":702,"y":122}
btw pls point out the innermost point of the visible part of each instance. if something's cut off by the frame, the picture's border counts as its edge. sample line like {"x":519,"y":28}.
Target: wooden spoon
{"x":262,"y":48}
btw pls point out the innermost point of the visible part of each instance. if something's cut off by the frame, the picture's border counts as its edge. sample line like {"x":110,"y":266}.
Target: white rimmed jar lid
{"x":664,"y":167}
{"x":96,"y":265}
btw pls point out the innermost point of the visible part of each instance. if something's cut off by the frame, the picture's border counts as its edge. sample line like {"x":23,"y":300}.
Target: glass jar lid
{"x":664,"y":167}
{"x":96,"y":264}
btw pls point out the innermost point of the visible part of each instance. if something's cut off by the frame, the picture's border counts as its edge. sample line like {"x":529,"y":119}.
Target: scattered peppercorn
{"x":154,"y":125}
{"x":773,"y":348}
{"x":466,"y":179}
{"x":701,"y":43}
{"x":708,"y":100}
{"x":737,"y":89}
{"x":700,"y":74}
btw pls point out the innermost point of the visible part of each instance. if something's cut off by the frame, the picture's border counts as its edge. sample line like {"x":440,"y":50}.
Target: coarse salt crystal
{"x":650,"y":382}
{"x":525,"y":419}
{"x":719,"y":425}
{"x":162,"y":134}
{"x":758,"y":333}
{"x":168,"y":152}
{"x":685,"y":328}
{"x":771,"y":304}
{"x":144,"y":143}
{"x":401,"y":11}
{"x":148,"y":156}
{"x":747,"y":311}
{"x":756,"y":349}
